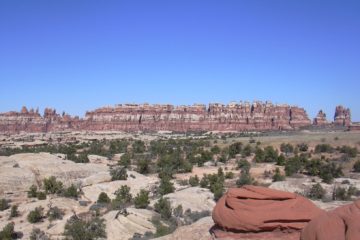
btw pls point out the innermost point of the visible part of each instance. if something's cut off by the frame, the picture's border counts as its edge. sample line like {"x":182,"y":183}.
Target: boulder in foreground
{"x":253,"y":212}
{"x":342,"y":223}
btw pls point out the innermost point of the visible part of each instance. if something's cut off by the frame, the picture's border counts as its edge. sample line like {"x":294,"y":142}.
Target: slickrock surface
{"x":343,"y":223}
{"x":193,"y":198}
{"x":257,"y":212}
{"x":145,"y":117}
{"x":120,"y":227}
{"x":18,"y":172}
{"x":136,"y":183}
{"x":198,"y":230}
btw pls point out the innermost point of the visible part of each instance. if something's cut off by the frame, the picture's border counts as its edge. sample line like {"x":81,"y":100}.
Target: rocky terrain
{"x":207,"y":181}
{"x":257,"y":116}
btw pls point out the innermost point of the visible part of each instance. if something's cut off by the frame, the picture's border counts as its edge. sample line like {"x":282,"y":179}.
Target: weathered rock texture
{"x":145,"y":117}
{"x":320,"y":119}
{"x":343,"y":223}
{"x":342,"y":116}
{"x":259,"y":212}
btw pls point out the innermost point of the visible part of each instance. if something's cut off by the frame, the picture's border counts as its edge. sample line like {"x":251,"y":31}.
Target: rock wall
{"x":256,"y":116}
{"x":342,"y":116}
{"x":320,"y":119}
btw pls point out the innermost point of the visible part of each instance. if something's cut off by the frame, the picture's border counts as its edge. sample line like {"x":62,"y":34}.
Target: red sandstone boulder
{"x":343,"y":223}
{"x":253,"y":212}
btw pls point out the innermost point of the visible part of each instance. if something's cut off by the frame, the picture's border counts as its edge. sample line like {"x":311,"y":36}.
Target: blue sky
{"x":80,"y":55}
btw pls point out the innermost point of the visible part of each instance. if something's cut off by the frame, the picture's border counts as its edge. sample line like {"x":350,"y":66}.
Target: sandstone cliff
{"x":320,"y":119}
{"x":256,"y":116}
{"x":342,"y":116}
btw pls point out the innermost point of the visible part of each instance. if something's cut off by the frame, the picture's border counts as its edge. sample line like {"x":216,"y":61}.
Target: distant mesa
{"x":243,"y":116}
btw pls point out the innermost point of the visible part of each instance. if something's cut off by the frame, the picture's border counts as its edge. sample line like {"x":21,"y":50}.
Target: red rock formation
{"x":343,"y":223}
{"x":342,"y":116}
{"x":133,"y":117}
{"x":320,"y":119}
{"x":254,"y":212}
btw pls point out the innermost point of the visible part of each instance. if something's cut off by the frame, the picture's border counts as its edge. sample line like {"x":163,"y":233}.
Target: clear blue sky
{"x":79,"y":55}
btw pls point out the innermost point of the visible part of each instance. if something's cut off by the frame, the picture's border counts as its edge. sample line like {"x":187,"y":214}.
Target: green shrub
{"x":71,"y":192}
{"x":178,"y":211}
{"x":123,"y":194}
{"x":78,"y":229}
{"x":316,"y":192}
{"x":14,"y":211}
{"x":278,"y":176}
{"x":54,"y":213}
{"x":281,"y":160}
{"x":330,"y":171}
{"x":351,"y":152}
{"x":344,"y":194}
{"x":234,"y":149}
{"x":166,"y":186}
{"x":52,"y":186}
{"x":143,"y":165}
{"x":41,"y":195}
{"x":125,"y":160}
{"x":243,"y":164}
{"x":286,"y":148}
{"x":303,"y":147}
{"x":194,"y":181}
{"x":218,"y":190}
{"x":229,"y":175}
{"x":8,"y":232}
{"x":141,"y":200}
{"x":324,"y":148}
{"x":118,"y":173}
{"x":37,"y":234}
{"x":35,"y":215}
{"x":204,"y":183}
{"x":138,"y":146}
{"x":193,"y":216}
{"x":244,"y":179}
{"x":32,"y":193}
{"x":246,"y":151}
{"x":163,"y":207}
{"x":103,"y":198}
{"x":4,"y":204}
{"x":215,"y":149}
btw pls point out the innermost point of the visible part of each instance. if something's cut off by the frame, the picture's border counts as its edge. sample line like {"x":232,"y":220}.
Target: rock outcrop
{"x":343,"y":223}
{"x":320,"y":119}
{"x":254,"y":212}
{"x":257,"y":116}
{"x":342,"y":116}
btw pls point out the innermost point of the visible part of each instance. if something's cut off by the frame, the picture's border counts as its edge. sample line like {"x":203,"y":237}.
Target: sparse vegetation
{"x":78,"y":229}
{"x":278,"y":176}
{"x":103,"y":198}
{"x":4,"y":204}
{"x":316,"y":192}
{"x":194,"y":181}
{"x":14,"y":212}
{"x":52,"y":186}
{"x":8,"y":233}
{"x":141,"y":200}
{"x":166,"y":186}
{"x":36,"y":215}
{"x":37,"y":234}
{"x":54,"y":213}
{"x":118,"y":173}
{"x":163,"y":207}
